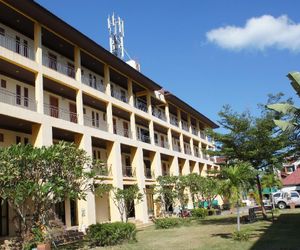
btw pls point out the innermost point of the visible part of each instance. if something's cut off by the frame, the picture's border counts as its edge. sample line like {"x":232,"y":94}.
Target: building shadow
{"x":282,"y":234}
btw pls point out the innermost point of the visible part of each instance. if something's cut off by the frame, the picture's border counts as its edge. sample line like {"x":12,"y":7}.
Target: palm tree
{"x":270,"y":181}
{"x":236,"y":179}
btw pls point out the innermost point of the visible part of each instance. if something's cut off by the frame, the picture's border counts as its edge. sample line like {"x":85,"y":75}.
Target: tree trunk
{"x":238,"y":217}
{"x":263,"y":210}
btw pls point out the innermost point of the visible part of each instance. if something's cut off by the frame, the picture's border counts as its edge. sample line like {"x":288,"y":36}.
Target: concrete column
{"x":77,"y":64}
{"x":133,"y":126}
{"x":189,"y":122}
{"x":198,"y":128}
{"x":107,"y":80}
{"x":109,"y":116}
{"x":130,"y":92}
{"x":179,"y":118}
{"x":79,"y":107}
{"x":174,"y":166}
{"x":181,"y":143}
{"x":149,"y":104}
{"x":141,"y":208}
{"x":68,"y":212}
{"x":167,"y":111}
{"x":156,"y":167}
{"x":170,"y":139}
{"x":197,"y":168}
{"x":186,"y":167}
{"x":42,"y":135}
{"x":151,"y":132}
{"x":39,"y":89}
{"x":86,"y":208}
{"x":192,"y":146}
{"x":114,"y":159}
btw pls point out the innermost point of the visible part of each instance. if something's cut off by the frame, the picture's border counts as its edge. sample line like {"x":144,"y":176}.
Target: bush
{"x":240,"y":236}
{"x":199,"y":213}
{"x":166,"y":223}
{"x":211,"y":211}
{"x":108,"y":234}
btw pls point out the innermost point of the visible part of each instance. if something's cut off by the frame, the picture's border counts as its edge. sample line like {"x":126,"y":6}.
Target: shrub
{"x":211,"y":211}
{"x":108,"y":234}
{"x":166,"y":223}
{"x":199,"y":213}
{"x":240,"y":236}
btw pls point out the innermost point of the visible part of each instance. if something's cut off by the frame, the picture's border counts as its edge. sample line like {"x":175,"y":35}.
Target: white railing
{"x":98,"y":84}
{"x":144,"y":138}
{"x":128,"y":171}
{"x":202,"y":135}
{"x":60,"y":113}
{"x":159,"y":113}
{"x":141,"y":104}
{"x":17,"y":100}
{"x":94,"y":123}
{"x":10,"y":43}
{"x":174,"y":120}
{"x":58,"y":66}
{"x":176,"y":148}
{"x":118,"y":95}
{"x":123,"y":132}
{"x":184,"y":125}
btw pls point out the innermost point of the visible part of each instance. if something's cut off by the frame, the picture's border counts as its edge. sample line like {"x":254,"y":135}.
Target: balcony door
{"x":4,"y":222}
{"x":73,"y":112}
{"x":54,"y":106}
{"x":125,"y":128}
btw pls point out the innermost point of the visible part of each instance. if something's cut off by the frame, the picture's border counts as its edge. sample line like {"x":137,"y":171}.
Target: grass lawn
{"x":215,"y":233}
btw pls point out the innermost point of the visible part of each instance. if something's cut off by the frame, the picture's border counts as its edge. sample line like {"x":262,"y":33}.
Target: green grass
{"x":215,"y":233}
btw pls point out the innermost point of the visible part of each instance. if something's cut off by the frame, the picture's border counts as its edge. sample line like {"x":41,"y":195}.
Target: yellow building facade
{"x":57,"y":84}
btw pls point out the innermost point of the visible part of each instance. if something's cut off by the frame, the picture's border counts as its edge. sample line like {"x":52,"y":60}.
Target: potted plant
{"x":41,"y":238}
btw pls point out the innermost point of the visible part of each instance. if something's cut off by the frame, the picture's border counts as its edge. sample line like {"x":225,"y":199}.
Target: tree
{"x":235,"y":179}
{"x":291,"y":113}
{"x":251,"y":139}
{"x":270,"y":181}
{"x":124,"y":199}
{"x":39,"y":178}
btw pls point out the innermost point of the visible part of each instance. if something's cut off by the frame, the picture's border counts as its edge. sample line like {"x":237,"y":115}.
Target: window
{"x":125,"y":128}
{"x":71,"y":70}
{"x":18,"y":139}
{"x":94,"y":154}
{"x":123,"y":95}
{"x":26,"y":97}
{"x":3,"y":83}
{"x":18,"y":40}
{"x":95,"y":82}
{"x":294,"y":195}
{"x":2,"y":31}
{"x":52,"y":61}
{"x":25,"y":48}
{"x":276,"y":195}
{"x":91,"y":80}
{"x":93,"y":118}
{"x":97,"y":120}
{"x":18,"y":94}
{"x":115,"y":125}
{"x":26,"y":141}
{"x":156,"y":138}
{"x":1,"y":137}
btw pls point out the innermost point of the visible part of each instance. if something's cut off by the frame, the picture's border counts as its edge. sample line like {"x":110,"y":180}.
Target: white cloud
{"x":259,"y":33}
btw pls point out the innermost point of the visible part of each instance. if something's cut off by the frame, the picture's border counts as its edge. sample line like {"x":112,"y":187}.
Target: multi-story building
{"x":57,"y":84}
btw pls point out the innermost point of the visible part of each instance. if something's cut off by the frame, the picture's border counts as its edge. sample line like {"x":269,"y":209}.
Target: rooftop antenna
{"x":116,"y":35}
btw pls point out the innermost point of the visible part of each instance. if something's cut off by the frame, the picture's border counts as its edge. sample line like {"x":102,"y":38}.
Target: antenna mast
{"x":116,"y":35}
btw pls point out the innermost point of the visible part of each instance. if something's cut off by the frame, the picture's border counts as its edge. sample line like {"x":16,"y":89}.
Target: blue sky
{"x":234,"y":65}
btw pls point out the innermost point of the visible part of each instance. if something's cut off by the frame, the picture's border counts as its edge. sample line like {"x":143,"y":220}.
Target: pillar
{"x":179,"y":118}
{"x":130,"y":92}
{"x":151,"y":132}
{"x":174,"y":166}
{"x":133,"y":126}
{"x":149,"y":105}
{"x":109,"y":115}
{"x":181,"y":142}
{"x":141,"y":208}
{"x":42,"y":135}
{"x":79,"y":107}
{"x":107,"y":80}
{"x":156,"y":167}
{"x":189,"y":122}
{"x":167,"y":111}
{"x":170,"y":139}
{"x":86,"y":208}
{"x":192,"y":146}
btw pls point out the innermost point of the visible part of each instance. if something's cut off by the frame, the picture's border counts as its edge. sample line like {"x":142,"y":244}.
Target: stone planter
{"x":44,"y":246}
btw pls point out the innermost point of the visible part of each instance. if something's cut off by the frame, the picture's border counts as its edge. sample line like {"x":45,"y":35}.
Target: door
{"x":18,"y":94}
{"x":4,"y":223}
{"x":60,"y":211}
{"x":54,"y":107}
{"x":125,"y":129}
{"x":115,"y":125}
{"x":73,"y":112}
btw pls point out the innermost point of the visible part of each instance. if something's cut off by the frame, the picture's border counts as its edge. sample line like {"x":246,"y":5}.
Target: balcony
{"x":174,"y":120}
{"x":185,"y":125}
{"x":144,"y":138}
{"x":194,"y":130}
{"x":163,"y":144}
{"x":94,"y":123}
{"x":95,"y":84}
{"x":176,"y":148}
{"x":128,"y":171}
{"x":202,"y":135}
{"x":17,"y":100}
{"x":159,"y":113}
{"x":52,"y":63}
{"x":12,"y":44}
{"x":101,"y":169}
{"x":60,"y":113}
{"x":141,"y":104}
{"x":148,"y":173}
{"x":196,"y":152}
{"x":187,"y":150}
{"x":120,"y":95}
{"x":122,"y":132}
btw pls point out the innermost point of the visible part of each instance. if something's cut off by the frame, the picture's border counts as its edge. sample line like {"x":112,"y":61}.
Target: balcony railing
{"x":60,"y":113}
{"x":174,"y":120}
{"x":141,"y":104}
{"x":148,"y":173}
{"x":12,"y":44}
{"x":202,"y":135}
{"x":176,"y":148}
{"x":123,"y":132}
{"x":58,"y":66}
{"x":98,"y":84}
{"x":184,"y":125}
{"x":94,"y":123}
{"x":194,"y":130}
{"x":144,"y":138}
{"x":17,"y":100}
{"x":163,"y":144}
{"x":187,"y":150}
{"x":102,"y":169}
{"x":196,"y":152}
{"x":119,"y":95}
{"x":128,"y":171}
{"x":159,"y":113}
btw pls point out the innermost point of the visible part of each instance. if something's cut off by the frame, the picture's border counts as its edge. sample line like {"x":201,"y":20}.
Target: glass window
{"x":295,"y":195}
{"x":3,"y":83}
{"x":276,"y":195}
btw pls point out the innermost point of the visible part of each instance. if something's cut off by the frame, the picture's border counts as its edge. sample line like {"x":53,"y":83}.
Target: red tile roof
{"x":292,"y":179}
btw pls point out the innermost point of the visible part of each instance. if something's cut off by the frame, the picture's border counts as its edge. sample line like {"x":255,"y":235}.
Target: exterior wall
{"x":10,"y":137}
{"x":95,"y":208}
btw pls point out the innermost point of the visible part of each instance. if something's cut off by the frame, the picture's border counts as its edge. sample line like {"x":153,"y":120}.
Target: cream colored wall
{"x":10,"y":137}
{"x":102,"y":209}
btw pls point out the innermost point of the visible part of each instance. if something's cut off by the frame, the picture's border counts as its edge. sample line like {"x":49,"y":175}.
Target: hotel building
{"x":57,"y":84}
